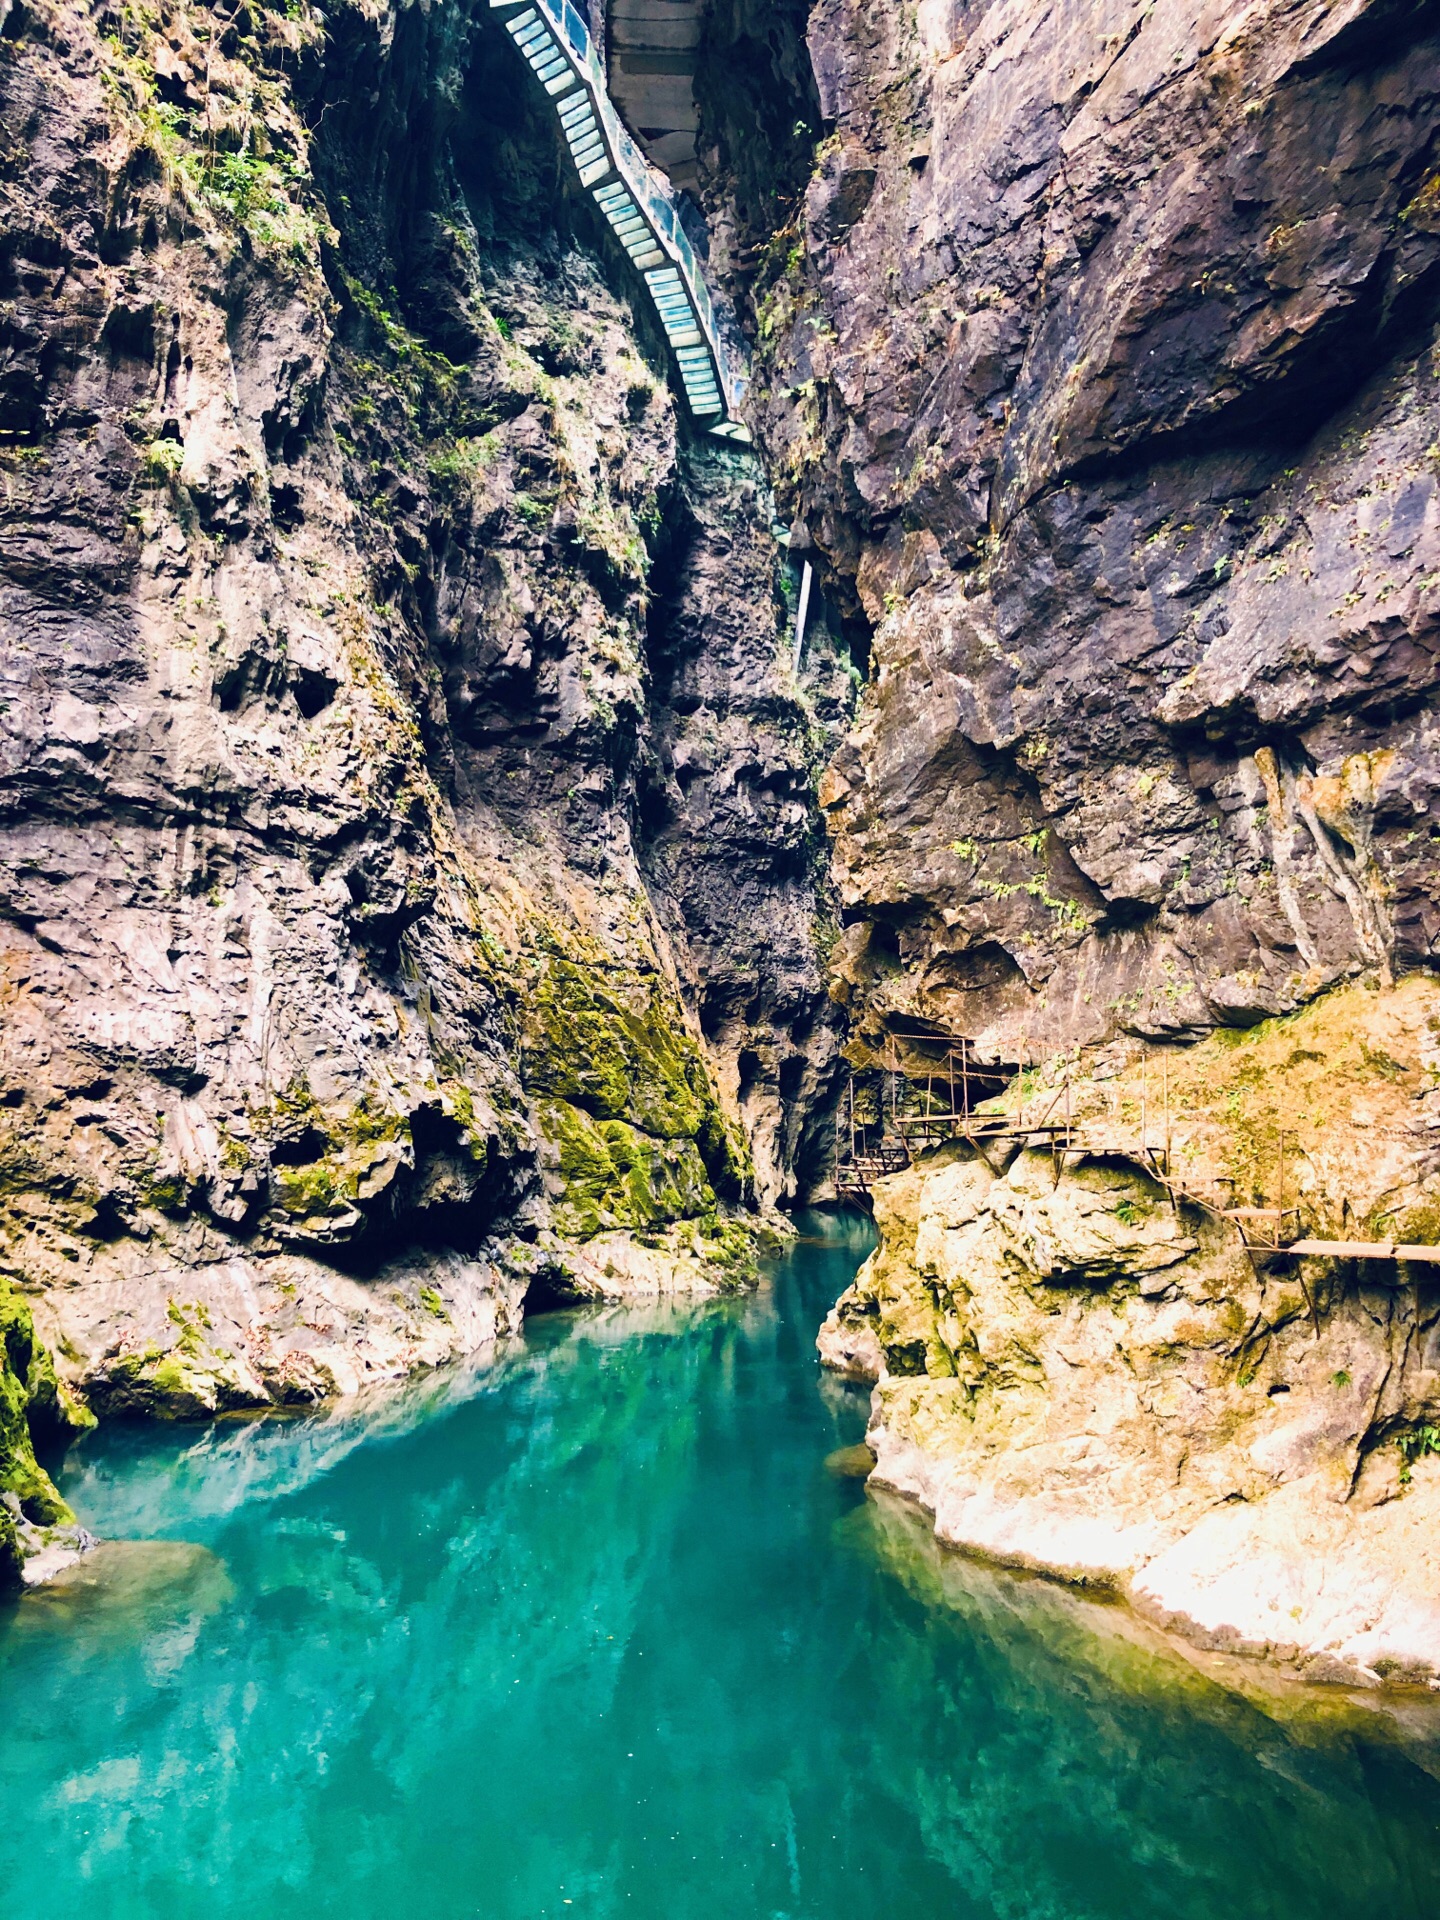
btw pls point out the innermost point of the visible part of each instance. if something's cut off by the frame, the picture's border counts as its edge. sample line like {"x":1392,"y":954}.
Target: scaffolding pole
{"x":806,"y":580}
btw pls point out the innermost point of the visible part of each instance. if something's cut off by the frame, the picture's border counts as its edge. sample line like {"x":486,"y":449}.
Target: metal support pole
{"x":1024,"y":1056}
{"x":1165,"y":1103}
{"x":804,"y":613}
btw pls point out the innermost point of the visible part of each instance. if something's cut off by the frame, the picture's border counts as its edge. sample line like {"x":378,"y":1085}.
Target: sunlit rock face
{"x":407,"y":844}
{"x":1096,"y":367}
{"x":1060,"y":1386}
{"x":1083,"y":1373}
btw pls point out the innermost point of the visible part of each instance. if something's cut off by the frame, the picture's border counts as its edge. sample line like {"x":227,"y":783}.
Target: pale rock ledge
{"x":1077,"y":1378}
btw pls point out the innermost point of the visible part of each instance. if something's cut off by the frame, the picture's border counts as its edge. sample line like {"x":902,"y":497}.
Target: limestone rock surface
{"x":1081,"y":1374}
{"x":1096,"y":373}
{"x":1096,"y":369}
{"x":408,"y":855}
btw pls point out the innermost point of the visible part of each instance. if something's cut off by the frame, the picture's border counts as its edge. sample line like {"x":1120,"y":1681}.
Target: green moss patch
{"x":329,"y":1164}
{"x":1298,"y":1110}
{"x":616,"y":1055}
{"x":608,"y":1174}
{"x":32,"y":1400}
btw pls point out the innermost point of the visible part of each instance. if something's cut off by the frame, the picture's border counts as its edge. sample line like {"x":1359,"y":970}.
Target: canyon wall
{"x":1096,"y":366}
{"x":412,"y":884}
{"x":410,"y":876}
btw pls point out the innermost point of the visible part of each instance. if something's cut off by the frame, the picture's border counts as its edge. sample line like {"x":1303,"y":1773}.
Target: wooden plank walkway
{"x":930,"y":1107}
{"x":1363,"y":1250}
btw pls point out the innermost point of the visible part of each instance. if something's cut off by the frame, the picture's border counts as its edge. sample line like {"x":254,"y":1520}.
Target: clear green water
{"x":594,"y":1631}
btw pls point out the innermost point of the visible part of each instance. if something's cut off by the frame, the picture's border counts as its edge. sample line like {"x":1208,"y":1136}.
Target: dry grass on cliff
{"x":1351,"y":1084}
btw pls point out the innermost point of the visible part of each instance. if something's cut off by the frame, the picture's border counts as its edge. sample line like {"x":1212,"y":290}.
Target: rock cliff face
{"x":1096,"y":367}
{"x":409,"y":867}
{"x":1079,"y":1375}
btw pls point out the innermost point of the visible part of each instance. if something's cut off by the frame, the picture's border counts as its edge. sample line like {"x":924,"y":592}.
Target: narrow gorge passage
{"x":593,"y":1631}
{"x":621,"y":620}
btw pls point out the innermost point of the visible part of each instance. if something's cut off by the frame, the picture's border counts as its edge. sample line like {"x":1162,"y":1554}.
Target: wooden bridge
{"x":636,"y":202}
{"x":936,"y":1095}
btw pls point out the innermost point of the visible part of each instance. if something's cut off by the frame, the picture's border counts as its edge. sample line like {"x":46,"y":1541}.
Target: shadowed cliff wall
{"x":407,"y":843}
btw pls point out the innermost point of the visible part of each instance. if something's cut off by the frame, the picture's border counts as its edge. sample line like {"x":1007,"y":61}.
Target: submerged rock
{"x":122,"y":1589}
{"x":851,"y":1463}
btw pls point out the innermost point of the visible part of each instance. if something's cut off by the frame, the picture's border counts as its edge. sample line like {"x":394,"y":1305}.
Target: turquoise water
{"x":594,"y":1631}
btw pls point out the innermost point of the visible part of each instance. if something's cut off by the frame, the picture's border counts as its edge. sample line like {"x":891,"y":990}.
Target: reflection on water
{"x":1114,"y":1773}
{"x":591,"y":1629}
{"x":147,"y":1481}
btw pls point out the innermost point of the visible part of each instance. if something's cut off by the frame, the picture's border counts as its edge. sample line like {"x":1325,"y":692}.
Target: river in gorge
{"x":598,"y":1627}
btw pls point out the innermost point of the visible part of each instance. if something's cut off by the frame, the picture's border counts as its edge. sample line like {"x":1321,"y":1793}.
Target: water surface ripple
{"x":592,"y":1630}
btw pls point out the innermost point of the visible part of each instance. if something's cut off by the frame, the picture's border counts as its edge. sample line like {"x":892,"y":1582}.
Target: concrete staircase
{"x":651,"y":50}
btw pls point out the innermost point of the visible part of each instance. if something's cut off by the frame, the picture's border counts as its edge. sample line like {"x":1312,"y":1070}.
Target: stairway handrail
{"x":649,"y":187}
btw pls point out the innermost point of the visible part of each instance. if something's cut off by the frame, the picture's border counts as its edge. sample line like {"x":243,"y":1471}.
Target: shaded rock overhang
{"x":652,"y":48}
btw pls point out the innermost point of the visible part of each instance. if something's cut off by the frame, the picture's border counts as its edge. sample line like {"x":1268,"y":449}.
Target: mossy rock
{"x":176,"y":1384}
{"x":732,"y":1248}
{"x":12,"y":1561}
{"x":727,"y":1158}
{"x":615,"y":1056}
{"x":32,"y":1400}
{"x":329,"y":1165}
{"x":189,"y":1377}
{"x":621,"y":1053}
{"x":608,"y":1174}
